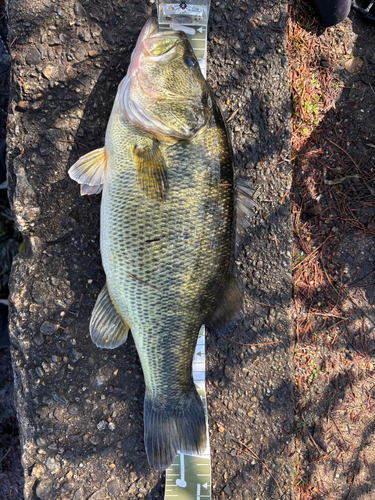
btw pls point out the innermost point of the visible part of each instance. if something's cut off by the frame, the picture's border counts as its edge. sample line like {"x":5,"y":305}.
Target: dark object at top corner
{"x":331,"y":12}
{"x":366,"y":13}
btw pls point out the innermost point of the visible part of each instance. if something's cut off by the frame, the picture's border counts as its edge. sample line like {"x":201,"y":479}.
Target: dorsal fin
{"x":245,"y":205}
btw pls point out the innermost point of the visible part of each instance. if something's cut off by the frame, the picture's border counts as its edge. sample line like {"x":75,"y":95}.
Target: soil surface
{"x":11,"y":473}
{"x":334,"y":260}
{"x":333,"y":449}
{"x":68,"y":59}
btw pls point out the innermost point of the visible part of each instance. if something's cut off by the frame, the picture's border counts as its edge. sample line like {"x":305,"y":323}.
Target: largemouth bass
{"x":167,"y":231}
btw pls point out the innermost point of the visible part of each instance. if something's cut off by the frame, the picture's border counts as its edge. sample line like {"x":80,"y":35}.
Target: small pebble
{"x":43,"y":489}
{"x":40,"y":441}
{"x":73,"y":409}
{"x":48,"y":328}
{"x":101,"y":425}
{"x":78,"y":495}
{"x":53,"y":465}
{"x":60,"y":399}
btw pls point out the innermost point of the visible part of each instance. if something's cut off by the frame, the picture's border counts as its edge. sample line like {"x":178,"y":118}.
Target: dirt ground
{"x":334,"y":266}
{"x":11,"y":473}
{"x":333,"y":89}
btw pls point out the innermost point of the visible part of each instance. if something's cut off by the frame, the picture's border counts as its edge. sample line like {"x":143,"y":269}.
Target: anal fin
{"x":89,"y":171}
{"x":151,"y":171}
{"x":87,"y":189}
{"x":106,"y":327}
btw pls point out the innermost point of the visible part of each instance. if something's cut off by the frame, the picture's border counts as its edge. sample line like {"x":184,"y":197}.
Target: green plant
{"x":302,"y":481}
{"x":312,"y":106}
{"x":315,"y":371}
{"x":297,"y":42}
{"x":315,"y":82}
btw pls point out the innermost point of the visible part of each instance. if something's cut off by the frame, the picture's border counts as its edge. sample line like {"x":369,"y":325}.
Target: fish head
{"x":164,"y":91}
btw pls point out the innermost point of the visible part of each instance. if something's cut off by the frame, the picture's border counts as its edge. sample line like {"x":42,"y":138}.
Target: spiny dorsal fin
{"x":245,"y":205}
{"x":152,"y":171}
{"x":89,"y":171}
{"x":106,"y":327}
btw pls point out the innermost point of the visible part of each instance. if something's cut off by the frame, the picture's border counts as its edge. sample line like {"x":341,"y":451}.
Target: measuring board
{"x":190,"y":17}
{"x":189,"y":476}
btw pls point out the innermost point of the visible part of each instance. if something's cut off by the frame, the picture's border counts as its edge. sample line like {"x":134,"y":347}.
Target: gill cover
{"x":164,"y":91}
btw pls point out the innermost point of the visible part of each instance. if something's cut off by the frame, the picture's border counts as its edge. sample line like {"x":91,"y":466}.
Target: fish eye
{"x":190,"y":62}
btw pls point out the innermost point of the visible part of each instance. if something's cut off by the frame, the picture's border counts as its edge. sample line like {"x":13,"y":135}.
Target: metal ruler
{"x":189,"y":476}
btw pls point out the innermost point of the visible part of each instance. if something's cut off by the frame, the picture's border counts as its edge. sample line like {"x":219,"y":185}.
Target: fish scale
{"x":183,"y":265}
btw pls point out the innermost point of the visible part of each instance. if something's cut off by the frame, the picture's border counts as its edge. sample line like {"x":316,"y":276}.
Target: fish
{"x":170,"y":218}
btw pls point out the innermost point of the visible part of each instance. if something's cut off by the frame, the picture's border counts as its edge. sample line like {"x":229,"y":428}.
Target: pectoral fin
{"x":86,"y":189}
{"x":106,"y":327}
{"x":89,"y":171}
{"x":152,"y":171}
{"x":245,"y":205}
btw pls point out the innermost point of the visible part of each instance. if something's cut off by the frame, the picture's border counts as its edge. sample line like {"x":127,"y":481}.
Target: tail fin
{"x":172,"y":429}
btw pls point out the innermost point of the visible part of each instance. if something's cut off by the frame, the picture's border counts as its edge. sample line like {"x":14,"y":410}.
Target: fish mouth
{"x":155,"y":45}
{"x":149,"y":29}
{"x":148,"y":38}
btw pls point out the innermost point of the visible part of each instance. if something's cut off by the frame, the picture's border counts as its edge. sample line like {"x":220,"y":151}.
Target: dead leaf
{"x":353,"y":65}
